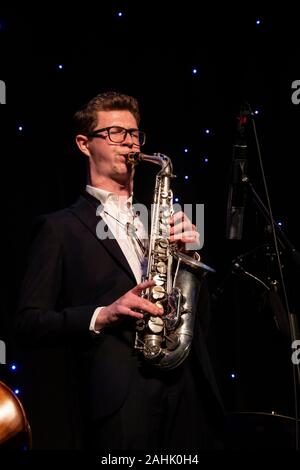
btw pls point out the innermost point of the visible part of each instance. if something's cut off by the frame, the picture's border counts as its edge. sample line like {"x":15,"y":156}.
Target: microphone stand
{"x":235,"y":212}
{"x":289,"y":248}
{"x":278,"y":234}
{"x":294,"y":255}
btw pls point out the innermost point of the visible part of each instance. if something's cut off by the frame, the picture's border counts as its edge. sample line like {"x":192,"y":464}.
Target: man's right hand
{"x":124,"y":306}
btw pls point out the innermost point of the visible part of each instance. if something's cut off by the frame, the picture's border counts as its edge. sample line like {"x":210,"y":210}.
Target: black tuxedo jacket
{"x":70,"y":273}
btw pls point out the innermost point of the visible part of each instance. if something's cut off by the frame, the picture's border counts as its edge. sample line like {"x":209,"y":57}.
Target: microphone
{"x":238,"y":179}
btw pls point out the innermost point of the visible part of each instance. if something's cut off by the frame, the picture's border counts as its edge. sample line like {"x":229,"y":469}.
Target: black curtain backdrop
{"x":151,"y":53}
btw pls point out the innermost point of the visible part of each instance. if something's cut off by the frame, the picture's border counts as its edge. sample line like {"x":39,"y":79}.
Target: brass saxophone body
{"x":165,"y":341}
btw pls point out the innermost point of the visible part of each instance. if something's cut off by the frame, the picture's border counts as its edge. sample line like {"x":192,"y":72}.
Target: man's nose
{"x":128,"y":139}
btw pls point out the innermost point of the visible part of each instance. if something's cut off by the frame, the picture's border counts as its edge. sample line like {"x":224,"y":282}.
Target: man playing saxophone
{"x":84,"y":295}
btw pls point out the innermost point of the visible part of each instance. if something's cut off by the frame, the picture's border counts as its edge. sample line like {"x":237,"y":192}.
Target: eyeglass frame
{"x":127,"y":131}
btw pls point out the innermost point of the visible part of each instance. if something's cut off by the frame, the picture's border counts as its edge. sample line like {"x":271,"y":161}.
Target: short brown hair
{"x":85,"y":119}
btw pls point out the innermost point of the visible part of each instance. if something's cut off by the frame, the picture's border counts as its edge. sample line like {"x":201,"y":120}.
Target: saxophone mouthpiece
{"x":134,"y":157}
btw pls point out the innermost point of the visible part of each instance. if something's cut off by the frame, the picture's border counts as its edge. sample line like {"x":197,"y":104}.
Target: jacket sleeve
{"x":38,"y":318}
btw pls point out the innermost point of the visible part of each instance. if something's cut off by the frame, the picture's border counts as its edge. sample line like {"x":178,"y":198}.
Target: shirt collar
{"x":106,"y":197}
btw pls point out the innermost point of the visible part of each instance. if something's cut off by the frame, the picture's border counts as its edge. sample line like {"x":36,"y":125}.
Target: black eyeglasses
{"x":117,"y":134}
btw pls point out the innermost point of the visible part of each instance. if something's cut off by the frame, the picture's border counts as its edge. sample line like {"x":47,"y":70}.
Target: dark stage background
{"x":191,"y":71}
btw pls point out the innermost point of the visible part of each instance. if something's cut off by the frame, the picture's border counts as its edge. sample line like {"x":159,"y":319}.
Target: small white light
{"x":256,"y":111}
{"x":120,"y":14}
{"x":60,"y":66}
{"x":279,"y":223}
{"x":257,"y":21}
{"x":186,"y":150}
{"x":195,"y":71}
{"x":17,"y":391}
{"x":176,"y":199}
{"x":13,"y":367}
{"x":205,"y":160}
{"x":232,"y":376}
{"x":186,"y":177}
{"x":207,"y":131}
{"x":20,"y":128}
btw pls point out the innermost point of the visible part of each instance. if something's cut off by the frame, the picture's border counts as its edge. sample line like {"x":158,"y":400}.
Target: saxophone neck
{"x":158,"y":159}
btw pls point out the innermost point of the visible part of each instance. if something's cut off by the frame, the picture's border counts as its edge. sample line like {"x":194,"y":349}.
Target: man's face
{"x":109,"y":158}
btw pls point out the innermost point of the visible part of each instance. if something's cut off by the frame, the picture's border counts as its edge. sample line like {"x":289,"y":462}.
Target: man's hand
{"x":183,"y":231}
{"x":124,"y":306}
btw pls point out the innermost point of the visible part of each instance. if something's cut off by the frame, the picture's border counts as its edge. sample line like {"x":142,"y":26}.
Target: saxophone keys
{"x":159,"y":280}
{"x":161,"y":267}
{"x":158,"y":292}
{"x":161,"y":257}
{"x":162,"y":243}
{"x":160,"y":305}
{"x":140,"y":325}
{"x":155,"y":324}
{"x":164,"y":230}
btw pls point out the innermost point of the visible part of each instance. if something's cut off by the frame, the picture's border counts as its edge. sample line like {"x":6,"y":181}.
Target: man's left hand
{"x":183,"y":232}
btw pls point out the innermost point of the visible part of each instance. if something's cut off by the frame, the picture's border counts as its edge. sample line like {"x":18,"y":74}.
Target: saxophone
{"x":165,"y":341}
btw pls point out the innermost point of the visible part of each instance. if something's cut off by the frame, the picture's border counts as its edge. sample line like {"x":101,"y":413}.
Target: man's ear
{"x":82,"y":143}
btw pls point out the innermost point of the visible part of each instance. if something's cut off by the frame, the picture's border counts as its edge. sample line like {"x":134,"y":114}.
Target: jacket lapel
{"x":85,"y":210}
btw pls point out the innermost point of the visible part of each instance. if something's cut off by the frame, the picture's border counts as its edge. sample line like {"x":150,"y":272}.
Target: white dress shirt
{"x":117,"y":213}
